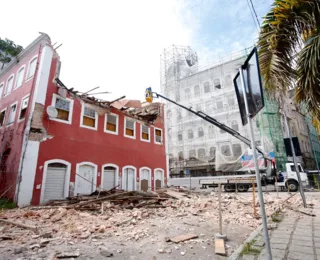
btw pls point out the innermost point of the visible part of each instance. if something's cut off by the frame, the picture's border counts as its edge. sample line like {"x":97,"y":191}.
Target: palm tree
{"x":289,"y":50}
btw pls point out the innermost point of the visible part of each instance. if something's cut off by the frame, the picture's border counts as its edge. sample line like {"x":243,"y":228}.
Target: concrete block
{"x":248,"y":257}
{"x":301,"y":249}
{"x":302,"y":237}
{"x":297,"y":241}
{"x":317,"y":244}
{"x":259,"y":243}
{"x":280,"y":235}
{"x":278,"y":254}
{"x":278,"y":246}
{"x":299,"y":256}
{"x":279,"y":240}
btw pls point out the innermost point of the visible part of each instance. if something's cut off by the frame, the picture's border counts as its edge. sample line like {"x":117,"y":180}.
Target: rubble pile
{"x":122,"y":214}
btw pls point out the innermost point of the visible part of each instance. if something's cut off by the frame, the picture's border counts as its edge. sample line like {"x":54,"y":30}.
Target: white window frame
{"x":5,"y":116}
{"x":17,"y":76}
{"x":5,"y":90}
{"x":95,"y":122}
{"x":149,"y":133}
{"x":135,"y":176}
{"x":105,"y":124}
{"x":29,"y":78}
{"x":53,"y":103}
{"x":1,"y":92}
{"x":77,"y":177}
{"x":155,"y":141}
{"x":154,"y":178}
{"x":134,"y":128}
{"x":15,"y":115}
{"x":67,"y":178}
{"x":150,"y":177}
{"x":26,"y":96}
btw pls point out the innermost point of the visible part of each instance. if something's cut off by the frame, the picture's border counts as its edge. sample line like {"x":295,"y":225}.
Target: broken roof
{"x":146,"y":112}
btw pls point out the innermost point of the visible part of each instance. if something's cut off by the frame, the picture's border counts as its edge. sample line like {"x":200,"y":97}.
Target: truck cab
{"x":290,"y":179}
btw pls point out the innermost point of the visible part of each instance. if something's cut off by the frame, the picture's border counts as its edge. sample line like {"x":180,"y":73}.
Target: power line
{"x":255,"y":13}
{"x":254,"y":20}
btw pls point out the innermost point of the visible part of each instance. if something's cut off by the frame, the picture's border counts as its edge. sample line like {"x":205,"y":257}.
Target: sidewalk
{"x":297,"y":237}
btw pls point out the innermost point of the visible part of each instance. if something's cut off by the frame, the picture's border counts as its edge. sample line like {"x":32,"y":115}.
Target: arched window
{"x":200,"y":132}
{"x":225,"y":150}
{"x":180,"y":137}
{"x":234,"y":125}
{"x":236,"y":149}
{"x":196,"y":91}
{"x":201,"y":153}
{"x":180,"y":155}
{"x":212,"y":152}
{"x":207,"y":87}
{"x":228,"y":80}
{"x":145,"y":179}
{"x":211,"y":131}
{"x":217,"y":83}
{"x":129,"y":176}
{"x":192,"y":153}
{"x":169,"y":114}
{"x":109,"y":176}
{"x":187,"y":93}
{"x":190,"y":134}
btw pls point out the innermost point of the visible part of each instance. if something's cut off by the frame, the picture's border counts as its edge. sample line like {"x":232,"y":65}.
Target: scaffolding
{"x":195,"y":146}
{"x":270,"y":126}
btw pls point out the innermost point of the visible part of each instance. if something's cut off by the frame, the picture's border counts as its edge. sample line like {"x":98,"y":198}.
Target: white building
{"x":195,"y":145}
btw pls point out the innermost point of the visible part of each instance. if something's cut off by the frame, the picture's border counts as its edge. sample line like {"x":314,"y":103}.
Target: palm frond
{"x":281,"y":37}
{"x":308,"y":80}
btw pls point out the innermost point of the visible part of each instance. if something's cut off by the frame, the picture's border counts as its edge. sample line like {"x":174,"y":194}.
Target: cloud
{"x":117,"y":44}
{"x":112,"y":44}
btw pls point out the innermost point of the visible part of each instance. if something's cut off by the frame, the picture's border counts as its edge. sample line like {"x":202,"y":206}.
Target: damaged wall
{"x":37,"y":130}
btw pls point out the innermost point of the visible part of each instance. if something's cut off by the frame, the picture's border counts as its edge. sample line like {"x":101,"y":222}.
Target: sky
{"x":116,"y":45}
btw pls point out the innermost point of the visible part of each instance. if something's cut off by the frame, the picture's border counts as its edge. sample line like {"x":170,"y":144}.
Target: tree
{"x":289,"y":50}
{"x":8,"y":50}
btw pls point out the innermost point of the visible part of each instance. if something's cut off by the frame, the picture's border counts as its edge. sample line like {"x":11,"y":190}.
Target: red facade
{"x":42,"y":149}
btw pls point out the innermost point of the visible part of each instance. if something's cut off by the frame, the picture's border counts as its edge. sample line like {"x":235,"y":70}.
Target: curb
{"x":236,"y":253}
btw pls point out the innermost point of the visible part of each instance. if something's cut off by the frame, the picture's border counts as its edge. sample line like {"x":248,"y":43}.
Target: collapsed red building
{"x":56,"y":142}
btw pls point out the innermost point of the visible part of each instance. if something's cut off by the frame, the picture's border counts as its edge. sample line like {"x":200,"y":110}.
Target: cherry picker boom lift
{"x":211,"y":120}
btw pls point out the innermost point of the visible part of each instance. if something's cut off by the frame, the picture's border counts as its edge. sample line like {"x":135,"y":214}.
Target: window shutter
{"x":88,"y":112}
{"x":25,"y":103}
{"x":112,"y":119}
{"x":158,"y":136}
{"x":62,"y":104}
{"x":145,"y":129}
{"x":130,"y":124}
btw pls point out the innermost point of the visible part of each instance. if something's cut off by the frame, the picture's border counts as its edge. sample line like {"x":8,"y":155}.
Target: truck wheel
{"x":242,"y":187}
{"x":227,"y":188}
{"x":292,"y":185}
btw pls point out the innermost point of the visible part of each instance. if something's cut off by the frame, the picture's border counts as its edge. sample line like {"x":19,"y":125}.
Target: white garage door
{"x":85,"y":179}
{"x":55,"y":182}
{"x":128,"y":179}
{"x":109,"y":178}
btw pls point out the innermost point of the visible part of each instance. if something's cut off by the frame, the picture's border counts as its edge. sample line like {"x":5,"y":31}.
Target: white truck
{"x":241,"y":183}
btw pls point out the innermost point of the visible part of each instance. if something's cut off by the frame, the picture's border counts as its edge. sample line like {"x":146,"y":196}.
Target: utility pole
{"x":295,"y":160}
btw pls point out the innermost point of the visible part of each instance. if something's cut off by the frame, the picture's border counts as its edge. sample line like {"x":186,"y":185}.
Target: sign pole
{"x":295,"y":162}
{"x":258,"y":177}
